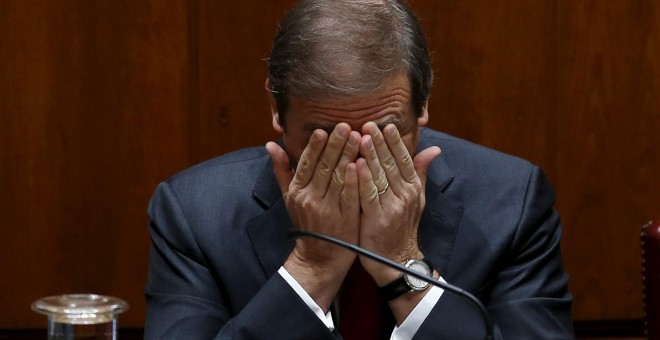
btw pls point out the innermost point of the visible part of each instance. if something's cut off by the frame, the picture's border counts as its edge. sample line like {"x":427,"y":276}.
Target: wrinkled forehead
{"x":389,"y":104}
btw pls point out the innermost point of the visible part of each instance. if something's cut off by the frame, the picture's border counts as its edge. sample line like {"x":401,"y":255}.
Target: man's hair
{"x":347,"y":48}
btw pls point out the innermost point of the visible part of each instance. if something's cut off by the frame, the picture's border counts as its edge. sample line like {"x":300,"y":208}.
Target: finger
{"x":385,"y":157}
{"x":309,"y":157}
{"x":423,"y":160}
{"x":328,"y":161}
{"x":348,"y":155}
{"x":400,"y":153}
{"x":368,"y":151}
{"x":350,"y":196}
{"x":281,"y":166}
{"x":369,"y":199}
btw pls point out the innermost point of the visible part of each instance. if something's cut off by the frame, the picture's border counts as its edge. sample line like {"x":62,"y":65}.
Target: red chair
{"x":651,"y":278}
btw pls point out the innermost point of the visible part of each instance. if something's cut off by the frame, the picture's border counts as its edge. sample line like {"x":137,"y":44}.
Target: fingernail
{"x":316,"y":136}
{"x":369,"y":144}
{"x":374,"y":129}
{"x":352,"y":141}
{"x":342,"y":131}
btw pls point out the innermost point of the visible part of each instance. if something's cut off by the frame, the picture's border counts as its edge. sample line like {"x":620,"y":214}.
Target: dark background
{"x":101,"y":100}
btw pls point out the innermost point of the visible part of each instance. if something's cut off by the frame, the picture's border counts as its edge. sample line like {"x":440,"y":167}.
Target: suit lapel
{"x":442,"y":215}
{"x":268,"y":231}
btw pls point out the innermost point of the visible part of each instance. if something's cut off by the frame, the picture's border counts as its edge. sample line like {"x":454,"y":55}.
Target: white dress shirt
{"x":405,"y":331}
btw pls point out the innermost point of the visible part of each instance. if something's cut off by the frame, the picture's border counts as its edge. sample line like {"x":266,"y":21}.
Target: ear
{"x":277,"y":126}
{"x":424,"y":117}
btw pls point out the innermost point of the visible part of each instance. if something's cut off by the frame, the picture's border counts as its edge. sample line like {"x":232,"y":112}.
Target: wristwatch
{"x":407,"y":283}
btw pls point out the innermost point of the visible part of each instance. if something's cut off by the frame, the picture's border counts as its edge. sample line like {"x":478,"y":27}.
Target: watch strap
{"x":394,"y":289}
{"x":399,"y":286}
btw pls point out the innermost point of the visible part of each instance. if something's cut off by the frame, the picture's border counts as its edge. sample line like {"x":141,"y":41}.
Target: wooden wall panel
{"x":494,"y":64}
{"x":94,"y":108}
{"x":609,"y":156}
{"x":234,"y":41}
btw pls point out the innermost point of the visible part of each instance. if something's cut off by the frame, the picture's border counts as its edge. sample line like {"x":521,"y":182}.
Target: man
{"x":350,"y":84}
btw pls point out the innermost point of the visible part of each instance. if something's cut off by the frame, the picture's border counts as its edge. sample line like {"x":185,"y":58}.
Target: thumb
{"x":423,"y":160}
{"x":281,"y":166}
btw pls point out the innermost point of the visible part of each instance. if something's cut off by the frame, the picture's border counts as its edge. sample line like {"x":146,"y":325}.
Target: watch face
{"x":420,"y":267}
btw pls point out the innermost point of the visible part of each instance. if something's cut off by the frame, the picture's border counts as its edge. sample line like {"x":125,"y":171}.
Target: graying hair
{"x":347,"y":48}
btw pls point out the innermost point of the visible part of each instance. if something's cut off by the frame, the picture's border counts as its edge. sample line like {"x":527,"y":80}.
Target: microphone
{"x":488,"y":322}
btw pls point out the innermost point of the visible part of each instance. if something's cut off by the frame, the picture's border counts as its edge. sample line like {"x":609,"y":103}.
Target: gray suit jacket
{"x":219,"y":235}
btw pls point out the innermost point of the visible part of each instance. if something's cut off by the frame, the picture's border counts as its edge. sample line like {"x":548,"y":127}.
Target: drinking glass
{"x":81,"y":316}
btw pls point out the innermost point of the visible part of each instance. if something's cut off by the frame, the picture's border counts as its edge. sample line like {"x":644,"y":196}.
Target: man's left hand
{"x":391,"y":185}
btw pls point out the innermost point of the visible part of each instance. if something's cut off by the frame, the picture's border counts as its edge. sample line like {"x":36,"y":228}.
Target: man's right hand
{"x":321,"y":196}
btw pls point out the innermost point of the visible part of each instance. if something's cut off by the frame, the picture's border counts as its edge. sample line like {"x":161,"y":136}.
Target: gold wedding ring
{"x":387,"y":186}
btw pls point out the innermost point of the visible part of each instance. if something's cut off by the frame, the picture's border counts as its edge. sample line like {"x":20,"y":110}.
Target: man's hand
{"x":321,"y":196}
{"x":391,"y":186}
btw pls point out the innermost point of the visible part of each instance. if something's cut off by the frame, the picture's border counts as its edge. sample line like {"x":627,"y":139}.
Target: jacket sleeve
{"x":528,"y":297}
{"x":185,"y":300}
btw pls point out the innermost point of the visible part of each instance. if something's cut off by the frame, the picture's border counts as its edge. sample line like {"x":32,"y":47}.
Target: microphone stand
{"x":488,"y":322}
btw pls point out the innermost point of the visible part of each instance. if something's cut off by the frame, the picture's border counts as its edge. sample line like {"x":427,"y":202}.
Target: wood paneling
{"x":609,"y":156}
{"x":100,"y":100}
{"x":494,"y":63}
{"x":94,"y":108}
{"x":234,"y":41}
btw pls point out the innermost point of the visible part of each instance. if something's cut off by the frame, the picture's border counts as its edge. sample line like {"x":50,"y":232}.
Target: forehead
{"x":391,"y":103}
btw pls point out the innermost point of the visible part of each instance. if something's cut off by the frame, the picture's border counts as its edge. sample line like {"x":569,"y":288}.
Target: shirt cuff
{"x":325,"y":318}
{"x":411,"y":324}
